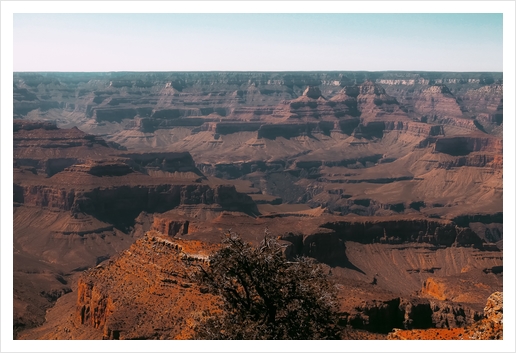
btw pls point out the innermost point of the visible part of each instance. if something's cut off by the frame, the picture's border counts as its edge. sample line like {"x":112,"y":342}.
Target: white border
{"x":7,"y":10}
{"x":257,"y":6}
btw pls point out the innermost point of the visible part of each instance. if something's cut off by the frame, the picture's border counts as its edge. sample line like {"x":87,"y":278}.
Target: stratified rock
{"x":463,"y":145}
{"x":491,"y":327}
{"x":438,"y":101}
{"x":170,"y":227}
{"x":146,"y":292}
{"x":399,"y":156}
{"x":312,"y":92}
{"x":494,"y":308}
{"x":488,"y":328}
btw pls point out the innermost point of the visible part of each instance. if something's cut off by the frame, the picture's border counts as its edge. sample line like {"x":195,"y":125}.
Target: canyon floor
{"x":392,"y":181}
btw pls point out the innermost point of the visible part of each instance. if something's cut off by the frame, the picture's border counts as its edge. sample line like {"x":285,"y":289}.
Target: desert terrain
{"x":393,"y":181}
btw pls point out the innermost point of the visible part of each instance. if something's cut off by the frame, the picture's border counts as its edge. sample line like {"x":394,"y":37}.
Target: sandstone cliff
{"x":77,"y":200}
{"x":488,"y":327}
{"x":146,"y":292}
{"x":387,"y":178}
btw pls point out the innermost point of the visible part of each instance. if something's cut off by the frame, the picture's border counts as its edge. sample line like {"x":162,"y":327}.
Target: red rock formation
{"x":336,"y":142}
{"x":434,"y":289}
{"x":124,"y":297}
{"x":437,"y":101}
{"x":488,"y":328}
{"x":383,"y":316}
{"x":111,"y":187}
{"x":462,"y":145}
{"x":85,"y":195}
{"x":374,"y":103}
{"x":145,"y":292}
{"x":50,"y":150}
{"x":170,"y":227}
{"x":486,"y":99}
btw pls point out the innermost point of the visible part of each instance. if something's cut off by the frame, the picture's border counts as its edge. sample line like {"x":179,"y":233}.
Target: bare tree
{"x":265,"y":296}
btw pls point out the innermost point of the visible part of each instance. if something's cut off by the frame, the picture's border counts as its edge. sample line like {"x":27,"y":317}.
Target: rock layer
{"x":392,"y":180}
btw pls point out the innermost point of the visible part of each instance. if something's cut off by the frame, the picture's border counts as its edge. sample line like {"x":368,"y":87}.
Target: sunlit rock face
{"x":393,"y":181}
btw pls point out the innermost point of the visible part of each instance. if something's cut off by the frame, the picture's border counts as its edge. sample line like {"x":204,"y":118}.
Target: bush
{"x":264,"y":296}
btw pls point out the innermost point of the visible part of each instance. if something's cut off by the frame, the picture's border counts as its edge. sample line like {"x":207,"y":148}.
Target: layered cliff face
{"x":40,"y":145}
{"x":391,"y":178}
{"x":77,"y":201}
{"x":436,"y":102}
{"x":462,"y":145}
{"x":124,"y":299}
{"x":240,"y":120}
{"x":490,"y":327}
{"x":99,"y":102}
{"x":101,"y":180}
{"x":145,"y":292}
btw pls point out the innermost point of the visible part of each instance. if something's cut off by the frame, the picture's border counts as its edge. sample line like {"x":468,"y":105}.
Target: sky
{"x":257,"y":42}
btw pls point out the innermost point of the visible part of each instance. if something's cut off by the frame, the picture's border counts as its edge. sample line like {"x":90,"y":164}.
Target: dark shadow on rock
{"x":345,"y":263}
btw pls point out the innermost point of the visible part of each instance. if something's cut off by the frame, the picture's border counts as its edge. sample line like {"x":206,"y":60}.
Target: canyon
{"x":393,"y":181}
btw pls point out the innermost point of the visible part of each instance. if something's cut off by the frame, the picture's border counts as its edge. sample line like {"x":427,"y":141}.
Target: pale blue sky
{"x":257,"y":42}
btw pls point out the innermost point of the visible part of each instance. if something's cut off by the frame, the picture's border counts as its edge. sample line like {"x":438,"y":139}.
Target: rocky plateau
{"x":393,"y":181}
